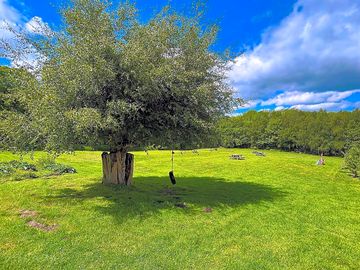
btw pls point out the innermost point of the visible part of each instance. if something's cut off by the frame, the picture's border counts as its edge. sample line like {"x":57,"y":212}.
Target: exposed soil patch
{"x":42,"y":227}
{"x":28,"y":213}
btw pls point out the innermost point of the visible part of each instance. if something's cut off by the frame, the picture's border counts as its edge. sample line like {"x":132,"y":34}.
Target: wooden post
{"x":118,"y":168}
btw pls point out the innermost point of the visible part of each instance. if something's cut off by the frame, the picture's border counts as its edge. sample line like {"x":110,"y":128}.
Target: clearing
{"x":273,"y":212}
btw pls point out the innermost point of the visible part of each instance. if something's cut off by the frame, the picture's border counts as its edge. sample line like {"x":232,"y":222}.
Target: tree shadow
{"x":150,"y":195}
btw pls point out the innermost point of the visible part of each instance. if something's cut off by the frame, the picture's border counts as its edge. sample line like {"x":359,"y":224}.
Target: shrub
{"x":9,"y":167}
{"x":48,"y":163}
{"x":60,"y":168}
{"x":5,"y":168}
{"x":14,"y":170}
{"x":22,"y":165}
{"x":352,"y":160}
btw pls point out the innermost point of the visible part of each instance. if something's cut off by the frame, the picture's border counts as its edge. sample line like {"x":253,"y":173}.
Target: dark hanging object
{"x":172,"y":178}
{"x":171,"y":173}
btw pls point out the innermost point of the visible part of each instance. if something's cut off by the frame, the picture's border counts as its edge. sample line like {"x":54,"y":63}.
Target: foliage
{"x":292,"y":130}
{"x":46,"y":161}
{"x":279,"y":207}
{"x":6,"y":168}
{"x":23,"y":165}
{"x":49,"y":163}
{"x":60,"y":168}
{"x":107,"y":78}
{"x":5,"y":85}
{"x":19,"y":170}
{"x":9,"y":167}
{"x":352,"y":160}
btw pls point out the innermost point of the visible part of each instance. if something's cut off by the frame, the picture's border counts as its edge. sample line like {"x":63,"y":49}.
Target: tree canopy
{"x":107,"y":78}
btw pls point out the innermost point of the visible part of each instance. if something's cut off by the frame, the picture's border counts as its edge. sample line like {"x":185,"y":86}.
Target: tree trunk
{"x":118,"y":168}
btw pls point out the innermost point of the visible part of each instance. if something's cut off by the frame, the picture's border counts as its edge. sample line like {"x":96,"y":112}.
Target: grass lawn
{"x":275,"y":212}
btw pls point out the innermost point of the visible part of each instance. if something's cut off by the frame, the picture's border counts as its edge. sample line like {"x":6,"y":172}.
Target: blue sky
{"x":300,"y":54}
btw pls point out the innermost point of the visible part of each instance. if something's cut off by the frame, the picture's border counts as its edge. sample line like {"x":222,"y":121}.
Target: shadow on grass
{"x":151,"y":194}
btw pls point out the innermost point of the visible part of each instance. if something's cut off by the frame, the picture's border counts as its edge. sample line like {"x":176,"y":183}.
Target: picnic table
{"x":237,"y":157}
{"x":259,"y":154}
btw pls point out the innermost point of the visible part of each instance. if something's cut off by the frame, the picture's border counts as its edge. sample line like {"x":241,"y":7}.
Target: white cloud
{"x":251,"y":104}
{"x":279,"y":108}
{"x":37,"y":26}
{"x":329,"y":106}
{"x":330,"y":100}
{"x":296,"y":97}
{"x":8,"y":13}
{"x":23,"y":55}
{"x":315,"y":48}
{"x":9,"y":16}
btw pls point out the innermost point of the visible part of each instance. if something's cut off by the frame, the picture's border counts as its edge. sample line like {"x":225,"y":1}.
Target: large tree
{"x":107,"y":78}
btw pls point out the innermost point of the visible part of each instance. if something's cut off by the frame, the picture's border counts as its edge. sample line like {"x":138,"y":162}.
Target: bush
{"x":5,"y":168}
{"x":14,"y":170}
{"x":352,"y":160}
{"x":9,"y":167}
{"x":22,"y":165}
{"x":60,"y":168}
{"x":48,"y":163}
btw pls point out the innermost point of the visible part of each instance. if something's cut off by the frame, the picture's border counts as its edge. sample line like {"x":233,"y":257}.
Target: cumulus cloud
{"x":296,"y":97}
{"x":310,"y":101}
{"x":279,"y":108}
{"x":9,"y":17}
{"x":251,"y":104}
{"x":315,"y":48}
{"x":8,"y":13}
{"x":329,"y":106}
{"x":36,"y":25}
{"x":22,"y":55}
{"x":12,"y":18}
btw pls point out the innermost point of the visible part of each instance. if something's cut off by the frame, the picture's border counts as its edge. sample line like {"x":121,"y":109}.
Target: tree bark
{"x":118,"y":168}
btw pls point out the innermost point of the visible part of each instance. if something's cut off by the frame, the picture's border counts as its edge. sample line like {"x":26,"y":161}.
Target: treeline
{"x":331,"y":133}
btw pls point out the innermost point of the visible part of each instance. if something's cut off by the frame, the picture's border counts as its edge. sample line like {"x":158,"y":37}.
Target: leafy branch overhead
{"x":105,"y":77}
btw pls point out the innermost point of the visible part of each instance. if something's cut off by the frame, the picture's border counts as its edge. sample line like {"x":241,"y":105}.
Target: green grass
{"x":277,"y":212}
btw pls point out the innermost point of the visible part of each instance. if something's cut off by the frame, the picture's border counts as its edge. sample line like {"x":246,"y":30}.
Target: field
{"x":275,"y":212}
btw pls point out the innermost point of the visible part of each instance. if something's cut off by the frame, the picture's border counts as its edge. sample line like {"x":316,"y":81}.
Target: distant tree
{"x":352,"y":130}
{"x":352,"y":160}
{"x":107,"y":78}
{"x":331,"y":133}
